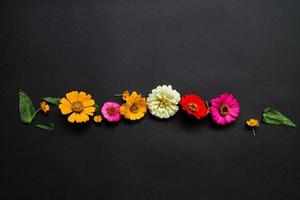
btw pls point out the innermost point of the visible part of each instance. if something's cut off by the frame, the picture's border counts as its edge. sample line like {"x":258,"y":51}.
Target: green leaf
{"x":55,"y":101}
{"x":97,"y":108}
{"x":46,"y":126}
{"x":26,"y":108}
{"x":272,"y":116}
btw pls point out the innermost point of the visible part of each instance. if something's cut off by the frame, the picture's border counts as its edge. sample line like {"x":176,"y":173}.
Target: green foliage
{"x":272,"y":116}
{"x":26,"y":108}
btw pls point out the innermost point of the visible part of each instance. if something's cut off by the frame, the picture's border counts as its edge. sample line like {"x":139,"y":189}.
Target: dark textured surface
{"x":250,"y":48}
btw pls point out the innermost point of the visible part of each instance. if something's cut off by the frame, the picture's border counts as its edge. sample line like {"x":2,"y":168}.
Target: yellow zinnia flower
{"x":44,"y":106}
{"x":125,"y":94}
{"x":135,"y":106}
{"x":252,"y":122}
{"x":79,"y":104}
{"x":97,"y":118}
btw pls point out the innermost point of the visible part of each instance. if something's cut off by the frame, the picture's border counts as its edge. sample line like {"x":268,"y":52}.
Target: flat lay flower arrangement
{"x":163,"y":102}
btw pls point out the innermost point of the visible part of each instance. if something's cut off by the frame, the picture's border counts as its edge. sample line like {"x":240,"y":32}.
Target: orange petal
{"x":72,"y":96}
{"x":89,"y":110}
{"x":72,"y":117}
{"x":84,"y":117}
{"x":82,"y":96}
{"x":65,"y":109}
{"x":88,"y":103}
{"x":65,"y":102}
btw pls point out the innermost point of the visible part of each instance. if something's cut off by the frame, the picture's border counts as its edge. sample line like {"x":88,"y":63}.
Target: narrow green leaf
{"x":97,"y":108}
{"x":26,"y":108}
{"x":46,"y":126}
{"x":272,"y":116}
{"x":55,"y":101}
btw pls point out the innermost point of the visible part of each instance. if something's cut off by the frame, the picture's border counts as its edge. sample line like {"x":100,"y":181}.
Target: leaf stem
{"x":34,"y":114}
{"x":207,"y":105}
{"x":253,"y":131}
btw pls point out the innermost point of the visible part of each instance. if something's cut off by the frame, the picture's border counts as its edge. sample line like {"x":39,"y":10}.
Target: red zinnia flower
{"x":194,"y":105}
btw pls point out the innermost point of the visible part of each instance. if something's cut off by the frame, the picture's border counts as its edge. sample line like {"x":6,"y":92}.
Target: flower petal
{"x":72,"y":96}
{"x":72,"y":117}
{"x":79,"y":118}
{"x":229,"y":119}
{"x":234,"y":112}
{"x":82,"y":96}
{"x":221,"y":121}
{"x":65,"y":102}
{"x":89,"y":110}
{"x":64,"y":109}
{"x":88,"y":103}
{"x":84,"y":117}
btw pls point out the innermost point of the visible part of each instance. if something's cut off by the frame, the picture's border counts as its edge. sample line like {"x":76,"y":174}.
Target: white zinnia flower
{"x":163,"y":100}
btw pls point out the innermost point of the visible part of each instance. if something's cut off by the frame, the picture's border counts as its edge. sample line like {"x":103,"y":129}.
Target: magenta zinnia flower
{"x":224,"y":109}
{"x":111,"y":111}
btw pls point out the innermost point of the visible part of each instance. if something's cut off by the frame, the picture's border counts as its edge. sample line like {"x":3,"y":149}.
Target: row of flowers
{"x":163,"y":102}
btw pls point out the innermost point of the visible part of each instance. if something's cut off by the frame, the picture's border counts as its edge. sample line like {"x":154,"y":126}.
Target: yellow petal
{"x":84,"y":117}
{"x":135,"y":95}
{"x":88,"y":103}
{"x":81,"y":118}
{"x":72,"y":117}
{"x":82,"y":96}
{"x":89,"y":110}
{"x":78,"y":118}
{"x":65,"y":102}
{"x":123,"y":108}
{"x":65,"y":109}
{"x":72,"y":96}
{"x":125,"y":94}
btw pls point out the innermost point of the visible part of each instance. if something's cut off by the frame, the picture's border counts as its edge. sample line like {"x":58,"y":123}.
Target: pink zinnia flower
{"x":224,"y":109}
{"x":111,"y":111}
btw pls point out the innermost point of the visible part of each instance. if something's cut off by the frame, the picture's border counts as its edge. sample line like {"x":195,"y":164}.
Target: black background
{"x":249,"y":48}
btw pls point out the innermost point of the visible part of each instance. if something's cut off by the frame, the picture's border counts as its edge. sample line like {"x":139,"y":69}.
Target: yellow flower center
{"x":134,"y":108}
{"x":77,"y":106}
{"x":193,"y":107}
{"x":162,"y":102}
{"x":224,"y":110}
{"x":111,"y":111}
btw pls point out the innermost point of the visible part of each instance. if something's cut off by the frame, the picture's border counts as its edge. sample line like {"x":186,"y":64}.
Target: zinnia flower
{"x":252,"y":123}
{"x":97,"y":118}
{"x":125,"y":94}
{"x":79,"y":104}
{"x":162,"y":102}
{"x":111,"y":111}
{"x":224,"y":109}
{"x":194,"y":105}
{"x":135,"y":106}
{"x":44,"y":106}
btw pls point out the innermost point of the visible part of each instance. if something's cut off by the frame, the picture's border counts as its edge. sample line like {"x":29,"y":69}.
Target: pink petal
{"x":221,"y":121}
{"x":229,"y":119}
{"x":234,"y":103}
{"x":224,"y":96}
{"x":234,"y":112}
{"x":216,"y":102}
{"x":215,"y":113}
{"x":214,"y":109}
{"x":229,"y":99}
